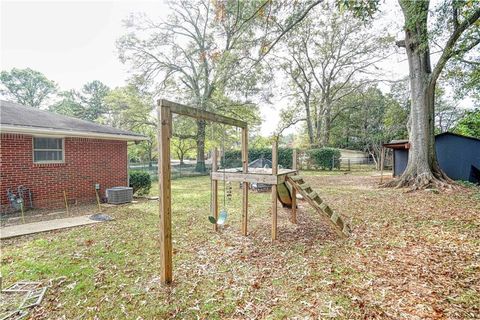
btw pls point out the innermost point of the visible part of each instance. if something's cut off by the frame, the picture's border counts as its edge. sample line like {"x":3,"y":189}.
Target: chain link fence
{"x":365,"y":163}
{"x":25,"y":208}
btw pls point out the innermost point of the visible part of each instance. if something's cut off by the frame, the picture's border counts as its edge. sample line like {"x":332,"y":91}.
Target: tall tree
{"x":197,"y":52}
{"x":422,"y":169}
{"x":130,"y":109}
{"x":457,"y":24}
{"x":183,"y":140}
{"x":373,"y":119}
{"x":27,"y":86}
{"x":88,"y":104}
{"x":69,"y":104}
{"x":145,"y":151}
{"x":463,"y":75}
{"x":330,"y":55}
{"x":92,"y":98}
{"x":208,"y":49}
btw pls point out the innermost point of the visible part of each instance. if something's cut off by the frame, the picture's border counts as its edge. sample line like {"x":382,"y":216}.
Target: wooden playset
{"x":285,"y":182}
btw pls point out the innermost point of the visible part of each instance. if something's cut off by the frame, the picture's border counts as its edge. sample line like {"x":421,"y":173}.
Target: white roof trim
{"x":68,"y":133}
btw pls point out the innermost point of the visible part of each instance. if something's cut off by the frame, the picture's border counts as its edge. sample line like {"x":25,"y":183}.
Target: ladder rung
{"x":346,"y":229}
{"x":318,"y":200}
{"x":335,"y":217}
{"x":304,"y":186}
{"x":296,"y":178}
{"x":338,"y":221}
{"x":325,"y":208}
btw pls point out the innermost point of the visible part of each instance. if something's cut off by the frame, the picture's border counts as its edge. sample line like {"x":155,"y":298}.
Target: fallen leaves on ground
{"x":411,"y":255}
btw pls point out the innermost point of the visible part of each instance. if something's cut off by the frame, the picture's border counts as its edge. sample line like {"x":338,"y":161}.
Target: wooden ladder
{"x":334,"y":219}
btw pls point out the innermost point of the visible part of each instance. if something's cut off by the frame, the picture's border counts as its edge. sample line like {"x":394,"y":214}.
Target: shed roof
{"x":17,"y":118}
{"x":457,"y":135}
{"x":397,"y":144}
{"x":404,"y":144}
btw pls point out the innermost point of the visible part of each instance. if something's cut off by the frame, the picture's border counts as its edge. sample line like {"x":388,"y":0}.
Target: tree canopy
{"x":469,"y":125}
{"x":324,"y":55}
{"x":27,"y":86}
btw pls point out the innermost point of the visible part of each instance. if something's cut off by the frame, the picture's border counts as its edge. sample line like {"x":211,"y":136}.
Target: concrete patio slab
{"x":42,"y":226}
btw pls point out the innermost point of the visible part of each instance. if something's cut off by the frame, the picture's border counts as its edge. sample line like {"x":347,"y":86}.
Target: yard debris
{"x":33,"y":298}
{"x":410,"y":256}
{"x":22,"y":286}
{"x":101,"y":217}
{"x":32,"y":294}
{"x":16,"y":315}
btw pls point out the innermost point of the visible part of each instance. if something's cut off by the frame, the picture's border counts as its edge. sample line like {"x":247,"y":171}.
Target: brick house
{"x":50,"y":153}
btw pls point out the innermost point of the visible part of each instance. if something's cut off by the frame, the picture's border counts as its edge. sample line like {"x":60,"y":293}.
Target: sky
{"x":73,"y":42}
{"x":70,"y":42}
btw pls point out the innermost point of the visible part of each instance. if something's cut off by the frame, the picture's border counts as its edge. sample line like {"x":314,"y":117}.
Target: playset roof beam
{"x":200,"y":114}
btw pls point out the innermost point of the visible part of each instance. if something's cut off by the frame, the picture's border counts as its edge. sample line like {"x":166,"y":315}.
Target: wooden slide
{"x":333,"y":218}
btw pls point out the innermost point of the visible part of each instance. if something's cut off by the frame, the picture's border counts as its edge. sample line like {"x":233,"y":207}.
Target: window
{"x":47,"y":150}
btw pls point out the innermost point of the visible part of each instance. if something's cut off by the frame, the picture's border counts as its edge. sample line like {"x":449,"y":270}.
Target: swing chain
{"x":224,"y":173}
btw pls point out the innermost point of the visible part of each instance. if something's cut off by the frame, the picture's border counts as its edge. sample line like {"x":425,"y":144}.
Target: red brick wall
{"x":87,"y":161}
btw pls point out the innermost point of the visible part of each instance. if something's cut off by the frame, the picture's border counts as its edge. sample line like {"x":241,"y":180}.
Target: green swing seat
{"x":222,"y":217}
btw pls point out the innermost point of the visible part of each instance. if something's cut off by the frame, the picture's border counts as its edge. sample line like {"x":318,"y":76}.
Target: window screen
{"x":47,"y":150}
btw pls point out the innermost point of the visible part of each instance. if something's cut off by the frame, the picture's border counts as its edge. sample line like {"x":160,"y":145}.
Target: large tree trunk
{"x":318,"y":127}
{"x":422,"y":169}
{"x":309,"y":123}
{"x":325,"y":127}
{"x":319,"y":120}
{"x":200,"y":166}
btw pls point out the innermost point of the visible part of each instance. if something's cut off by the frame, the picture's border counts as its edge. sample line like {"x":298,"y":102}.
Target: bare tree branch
{"x":448,"y":51}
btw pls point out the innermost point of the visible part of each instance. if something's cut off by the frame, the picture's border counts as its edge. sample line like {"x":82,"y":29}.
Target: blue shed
{"x":457,"y":155}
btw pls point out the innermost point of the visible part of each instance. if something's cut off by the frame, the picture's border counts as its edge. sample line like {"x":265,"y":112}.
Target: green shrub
{"x":141,"y":182}
{"x":325,"y":158}
{"x":233,"y":158}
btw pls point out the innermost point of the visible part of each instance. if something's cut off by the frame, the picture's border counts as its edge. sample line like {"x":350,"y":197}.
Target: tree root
{"x":435,"y":179}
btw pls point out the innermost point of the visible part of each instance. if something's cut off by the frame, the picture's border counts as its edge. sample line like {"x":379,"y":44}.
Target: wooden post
{"x":215,"y":188}
{"x":98,"y":201}
{"x":165,"y":203}
{"x":165,"y":110}
{"x":294,"y":160}
{"x":245,"y":184}
{"x":382,"y":159}
{"x":393,"y":163}
{"x":293,"y":217}
{"x":274,"y":188}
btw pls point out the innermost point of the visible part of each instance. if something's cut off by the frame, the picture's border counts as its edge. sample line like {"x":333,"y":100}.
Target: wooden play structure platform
{"x":285,"y":182}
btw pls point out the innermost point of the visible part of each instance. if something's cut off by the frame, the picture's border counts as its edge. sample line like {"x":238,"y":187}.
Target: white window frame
{"x":48,"y":161}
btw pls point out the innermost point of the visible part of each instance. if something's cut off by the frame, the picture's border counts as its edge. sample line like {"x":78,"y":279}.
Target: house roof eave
{"x":38,"y":131}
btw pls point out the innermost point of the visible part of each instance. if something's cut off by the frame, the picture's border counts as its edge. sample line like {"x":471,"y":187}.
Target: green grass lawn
{"x":411,"y":255}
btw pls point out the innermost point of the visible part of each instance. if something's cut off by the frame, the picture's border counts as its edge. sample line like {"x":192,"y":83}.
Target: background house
{"x":458,"y":156}
{"x":50,"y":153}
